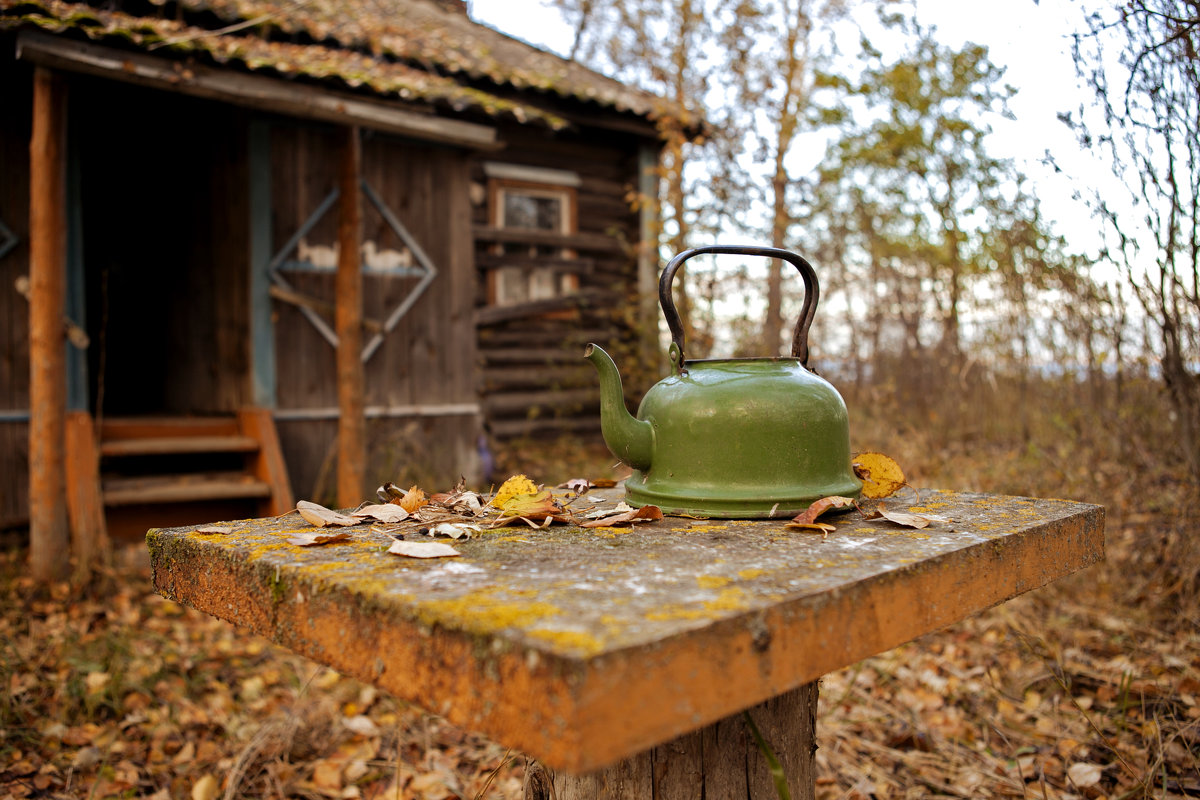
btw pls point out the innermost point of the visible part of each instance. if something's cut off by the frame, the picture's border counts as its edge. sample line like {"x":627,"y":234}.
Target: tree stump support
{"x":719,"y":762}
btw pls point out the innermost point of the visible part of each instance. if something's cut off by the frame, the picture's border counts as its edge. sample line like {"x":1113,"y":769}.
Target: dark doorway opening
{"x":162,"y":181}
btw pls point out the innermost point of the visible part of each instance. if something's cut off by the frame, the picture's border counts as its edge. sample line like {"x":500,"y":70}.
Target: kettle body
{"x":731,"y":438}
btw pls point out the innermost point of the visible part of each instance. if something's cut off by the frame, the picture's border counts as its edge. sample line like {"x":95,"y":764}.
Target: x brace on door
{"x":425,"y":269}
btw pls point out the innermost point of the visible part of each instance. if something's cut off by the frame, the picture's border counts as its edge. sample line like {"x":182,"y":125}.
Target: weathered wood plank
{"x":504,"y":428}
{"x":268,"y":465}
{"x":596,"y":242}
{"x":574,"y":302}
{"x":191,"y":487}
{"x":113,"y":429}
{"x":181,"y":444}
{"x":548,"y":399}
{"x":85,"y":504}
{"x":583,"y":647}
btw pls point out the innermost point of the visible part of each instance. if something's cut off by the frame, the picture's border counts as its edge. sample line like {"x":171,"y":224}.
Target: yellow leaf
{"x":516,"y":485}
{"x":880,"y":474}
{"x":414,"y":498}
{"x":532,"y":504}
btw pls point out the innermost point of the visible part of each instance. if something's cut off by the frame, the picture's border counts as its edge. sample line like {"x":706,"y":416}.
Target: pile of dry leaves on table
{"x":409,"y":516}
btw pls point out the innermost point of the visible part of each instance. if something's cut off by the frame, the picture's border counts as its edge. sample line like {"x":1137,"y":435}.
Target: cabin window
{"x":539,"y":202}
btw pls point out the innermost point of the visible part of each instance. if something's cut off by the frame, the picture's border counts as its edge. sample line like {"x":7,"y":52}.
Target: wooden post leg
{"x":352,"y":425}
{"x":49,"y":532}
{"x":719,"y":762}
{"x":85,"y":500}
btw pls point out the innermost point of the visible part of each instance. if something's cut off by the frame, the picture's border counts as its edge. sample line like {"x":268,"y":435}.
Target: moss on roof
{"x":354,"y":70}
{"x":415,"y":50}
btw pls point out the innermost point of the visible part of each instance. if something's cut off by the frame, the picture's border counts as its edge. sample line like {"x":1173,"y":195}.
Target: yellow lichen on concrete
{"x":751,"y":574}
{"x":484,"y":611}
{"x":731,"y":599}
{"x":609,"y":533}
{"x":712,"y":581}
{"x":579,"y":641}
{"x":706,"y":527}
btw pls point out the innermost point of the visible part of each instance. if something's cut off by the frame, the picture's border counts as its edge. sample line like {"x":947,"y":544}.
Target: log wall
{"x":534,"y":379}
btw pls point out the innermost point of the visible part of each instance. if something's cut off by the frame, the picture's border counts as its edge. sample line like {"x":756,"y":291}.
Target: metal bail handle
{"x":812,"y":293}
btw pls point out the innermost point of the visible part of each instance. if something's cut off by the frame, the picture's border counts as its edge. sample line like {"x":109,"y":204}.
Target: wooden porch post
{"x":49,"y":533}
{"x":352,"y":434}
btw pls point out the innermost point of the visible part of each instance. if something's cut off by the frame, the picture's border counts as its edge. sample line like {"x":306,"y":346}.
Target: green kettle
{"x":731,"y":438}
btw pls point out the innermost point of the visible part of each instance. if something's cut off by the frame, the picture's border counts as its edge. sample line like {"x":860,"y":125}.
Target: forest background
{"x":974,"y":342}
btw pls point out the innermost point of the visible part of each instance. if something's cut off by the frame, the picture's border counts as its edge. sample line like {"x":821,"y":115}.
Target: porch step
{"x":168,"y":445}
{"x":166,"y":471}
{"x":185,"y":488}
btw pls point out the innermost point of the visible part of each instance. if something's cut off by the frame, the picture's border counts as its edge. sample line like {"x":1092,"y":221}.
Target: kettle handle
{"x":812,"y":293}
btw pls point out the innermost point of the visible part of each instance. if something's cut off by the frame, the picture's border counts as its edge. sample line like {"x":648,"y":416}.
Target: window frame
{"x":550,"y":184}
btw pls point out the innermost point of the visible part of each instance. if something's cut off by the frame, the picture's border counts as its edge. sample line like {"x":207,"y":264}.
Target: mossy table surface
{"x":582,"y":647}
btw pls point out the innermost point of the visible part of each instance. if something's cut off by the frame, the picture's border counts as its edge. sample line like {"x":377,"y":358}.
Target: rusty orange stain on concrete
{"x":581,"y":650}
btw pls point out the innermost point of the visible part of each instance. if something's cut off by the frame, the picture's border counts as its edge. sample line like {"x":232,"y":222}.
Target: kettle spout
{"x":631,"y":439}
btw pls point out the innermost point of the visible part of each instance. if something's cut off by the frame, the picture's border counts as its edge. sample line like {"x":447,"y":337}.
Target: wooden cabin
{"x":255,"y":254}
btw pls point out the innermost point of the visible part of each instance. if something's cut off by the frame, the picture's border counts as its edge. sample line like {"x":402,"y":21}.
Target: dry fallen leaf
{"x":455,"y":530}
{"x":810,"y":514}
{"x":1083,"y":774}
{"x":459,"y":501}
{"x":422,"y":549}
{"x":619,"y":508}
{"x":513,"y":487}
{"x":207,"y":788}
{"x":880,"y":474}
{"x":322,"y":517}
{"x":311,"y":539}
{"x":535,"y":504}
{"x":362,"y":725}
{"x":382,"y":512}
{"x":643,"y":514}
{"x":905,"y":518}
{"x":822,"y":527}
{"x":211,"y":529}
{"x":414,"y":498}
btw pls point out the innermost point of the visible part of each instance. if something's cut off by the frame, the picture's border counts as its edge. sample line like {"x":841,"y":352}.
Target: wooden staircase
{"x":139,"y":473}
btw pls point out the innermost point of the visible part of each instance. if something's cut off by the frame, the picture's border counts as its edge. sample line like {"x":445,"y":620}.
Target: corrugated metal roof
{"x":413,"y":50}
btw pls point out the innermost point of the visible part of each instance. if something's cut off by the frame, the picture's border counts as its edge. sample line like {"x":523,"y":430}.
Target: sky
{"x":1030,"y":39}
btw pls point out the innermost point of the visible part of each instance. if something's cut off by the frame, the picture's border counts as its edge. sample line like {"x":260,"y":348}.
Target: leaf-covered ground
{"x":1089,"y":688}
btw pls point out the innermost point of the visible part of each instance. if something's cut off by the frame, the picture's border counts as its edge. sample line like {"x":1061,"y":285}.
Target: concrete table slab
{"x":583,"y":647}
